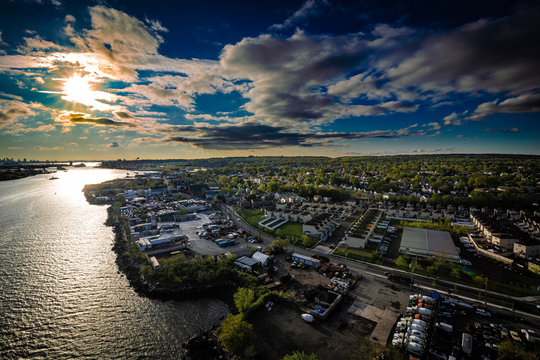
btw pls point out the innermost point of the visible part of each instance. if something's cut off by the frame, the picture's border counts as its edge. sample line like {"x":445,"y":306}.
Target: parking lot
{"x":207,"y":246}
{"x":442,"y":328}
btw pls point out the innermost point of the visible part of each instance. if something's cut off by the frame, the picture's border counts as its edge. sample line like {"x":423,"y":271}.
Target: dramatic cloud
{"x":68,"y":119}
{"x":251,"y":135}
{"x":12,"y":110}
{"x":309,"y":8}
{"x":123,"y":115}
{"x":290,"y":77}
{"x":288,"y":90}
{"x":500,"y":55}
{"x":520,"y":104}
{"x":37,"y":44}
{"x":82,"y":119}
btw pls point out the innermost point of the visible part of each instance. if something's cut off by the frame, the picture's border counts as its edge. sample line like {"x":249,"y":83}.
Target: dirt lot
{"x":282,"y":331}
{"x":309,"y":277}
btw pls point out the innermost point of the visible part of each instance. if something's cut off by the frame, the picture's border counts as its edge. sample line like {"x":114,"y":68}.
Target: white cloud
{"x":309,"y":8}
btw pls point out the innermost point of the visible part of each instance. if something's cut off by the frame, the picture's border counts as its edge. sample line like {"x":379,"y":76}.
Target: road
{"x":496,"y":300}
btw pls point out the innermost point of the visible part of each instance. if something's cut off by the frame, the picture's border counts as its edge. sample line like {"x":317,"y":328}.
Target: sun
{"x":79,"y":89}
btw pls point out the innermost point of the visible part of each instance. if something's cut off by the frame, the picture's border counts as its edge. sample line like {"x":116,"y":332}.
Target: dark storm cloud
{"x":492,"y":55}
{"x":80,"y":119}
{"x":114,"y":144}
{"x":320,"y":78}
{"x":251,"y":135}
{"x":123,"y":115}
{"x":290,"y":75}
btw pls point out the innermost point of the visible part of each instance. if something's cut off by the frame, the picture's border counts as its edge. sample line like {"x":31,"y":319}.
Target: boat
{"x":53,"y":178}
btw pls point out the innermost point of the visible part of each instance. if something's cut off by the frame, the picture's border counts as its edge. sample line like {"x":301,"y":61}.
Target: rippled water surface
{"x":61,"y":295}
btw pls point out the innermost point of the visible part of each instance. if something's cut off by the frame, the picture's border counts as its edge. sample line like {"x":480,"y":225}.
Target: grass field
{"x":379,"y":231}
{"x":291,"y":231}
{"x":359,"y":254}
{"x":252,"y":217}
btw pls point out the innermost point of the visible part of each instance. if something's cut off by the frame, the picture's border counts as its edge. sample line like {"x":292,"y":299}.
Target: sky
{"x":115,"y":79}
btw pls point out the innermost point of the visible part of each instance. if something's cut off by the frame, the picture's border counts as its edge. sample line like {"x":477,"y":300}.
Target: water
{"x":61,"y":295}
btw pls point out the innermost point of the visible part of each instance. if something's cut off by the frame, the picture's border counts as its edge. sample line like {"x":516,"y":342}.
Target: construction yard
{"x":343,"y":314}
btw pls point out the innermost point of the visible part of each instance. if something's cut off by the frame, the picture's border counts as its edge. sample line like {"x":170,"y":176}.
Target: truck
{"x":466,"y":343}
{"x":226,"y":243}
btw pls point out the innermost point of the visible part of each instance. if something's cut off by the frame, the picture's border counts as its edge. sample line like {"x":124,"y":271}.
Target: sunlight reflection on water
{"x":61,"y":295}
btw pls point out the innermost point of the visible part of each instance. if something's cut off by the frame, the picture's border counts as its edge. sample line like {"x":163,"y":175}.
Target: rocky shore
{"x":132,"y":270}
{"x":204,"y":345}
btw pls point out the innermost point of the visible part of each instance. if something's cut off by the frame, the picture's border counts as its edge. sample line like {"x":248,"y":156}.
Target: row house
{"x":321,"y":226}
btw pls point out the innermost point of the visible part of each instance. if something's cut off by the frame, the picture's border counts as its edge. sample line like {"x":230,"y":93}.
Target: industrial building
{"x":425,"y":242}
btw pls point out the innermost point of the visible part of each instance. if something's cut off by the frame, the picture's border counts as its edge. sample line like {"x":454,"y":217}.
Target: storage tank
{"x":419,"y":322}
{"x":418,"y":333}
{"x":414,"y":348}
{"x":445,"y":327}
{"x":424,"y":311}
{"x":416,"y":339}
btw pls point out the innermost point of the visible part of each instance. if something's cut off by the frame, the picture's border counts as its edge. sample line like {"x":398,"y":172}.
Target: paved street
{"x":500,"y":301}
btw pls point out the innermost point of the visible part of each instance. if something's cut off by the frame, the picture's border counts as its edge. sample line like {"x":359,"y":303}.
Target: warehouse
{"x":425,"y":242}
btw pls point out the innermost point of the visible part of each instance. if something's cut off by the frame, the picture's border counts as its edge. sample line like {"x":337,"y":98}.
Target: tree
{"x":511,"y":351}
{"x":235,"y":335}
{"x":278,"y":246}
{"x":369,"y":350}
{"x":244,"y":299}
{"x":300,"y":355}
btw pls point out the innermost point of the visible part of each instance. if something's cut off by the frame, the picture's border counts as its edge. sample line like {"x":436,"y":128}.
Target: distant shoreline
{"x":16,"y":175}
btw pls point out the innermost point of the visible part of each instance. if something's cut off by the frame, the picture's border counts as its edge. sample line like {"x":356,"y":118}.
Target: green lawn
{"x":359,"y":254}
{"x":291,"y":231}
{"x":379,"y":231}
{"x":252,"y":217}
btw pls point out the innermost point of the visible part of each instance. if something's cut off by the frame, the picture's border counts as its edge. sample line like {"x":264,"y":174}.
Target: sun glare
{"x":79,"y":89}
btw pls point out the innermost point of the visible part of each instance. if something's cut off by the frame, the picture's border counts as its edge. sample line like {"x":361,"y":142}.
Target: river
{"x":61,"y":295}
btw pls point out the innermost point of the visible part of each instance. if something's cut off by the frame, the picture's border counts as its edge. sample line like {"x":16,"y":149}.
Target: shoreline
{"x":17,"y":175}
{"x":196,"y":344}
{"x":143,"y":287}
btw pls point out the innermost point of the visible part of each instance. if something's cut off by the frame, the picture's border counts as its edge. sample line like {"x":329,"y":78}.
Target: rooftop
{"x":428,"y":242}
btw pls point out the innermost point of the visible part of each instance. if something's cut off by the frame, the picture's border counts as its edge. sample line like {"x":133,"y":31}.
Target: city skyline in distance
{"x":120,"y":79}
